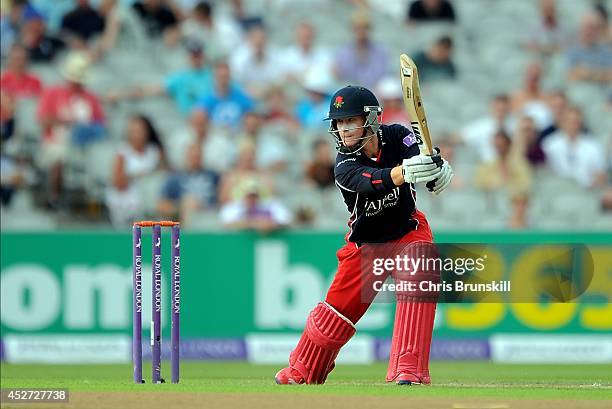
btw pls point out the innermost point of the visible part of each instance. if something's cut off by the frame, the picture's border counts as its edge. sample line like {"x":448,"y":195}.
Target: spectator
{"x":312,"y":108}
{"x":158,"y":19}
{"x":304,"y":56}
{"x":603,"y":23}
{"x":13,"y":20}
{"x":527,"y":139}
{"x":245,"y":168}
{"x":509,"y":172}
{"x":278,"y":109}
{"x":17,"y":80}
{"x":254,"y":211}
{"x":257,"y":64}
{"x":7,"y":116}
{"x":185,"y":87}
{"x":590,"y":60}
{"x":190,"y":190}
{"x":447,"y":145}
{"x":69,"y":114}
{"x":572,"y":154}
{"x":389,"y":90}
{"x":140,"y":156}
{"x":226,"y":103}
{"x":557,"y":103}
{"x":41,"y":46}
{"x":436,"y":62}
{"x":218,"y":149}
{"x":272,"y":151}
{"x":548,"y":36}
{"x":320,"y":170}
{"x":423,"y":11}
{"x":12,"y":177}
{"x":531,"y":100}
{"x":362,"y":61}
{"x":478,"y":135}
{"x":83,"y":22}
{"x":221,"y":35}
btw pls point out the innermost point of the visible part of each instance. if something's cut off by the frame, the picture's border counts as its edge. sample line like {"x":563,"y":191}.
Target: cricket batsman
{"x":376,"y":169}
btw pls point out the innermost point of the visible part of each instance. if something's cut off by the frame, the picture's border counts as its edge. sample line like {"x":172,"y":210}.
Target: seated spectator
{"x":590,"y":60}
{"x":311,"y":109}
{"x":270,"y":145}
{"x":549,"y":36}
{"x":527,"y":140}
{"x":509,"y":172}
{"x":320,"y":170}
{"x":82,"y":23}
{"x":7,"y":116}
{"x":218,"y":149}
{"x":222,"y":35}
{"x":436,"y":62}
{"x":185,"y":87}
{"x":304,"y":56}
{"x":423,"y":11}
{"x":254,"y":210}
{"x":557,"y":104}
{"x":257,"y":65}
{"x":17,"y":80}
{"x":69,"y":115}
{"x":158,"y":19}
{"x":602,"y":17}
{"x":140,"y":156}
{"x":572,"y":154}
{"x":190,"y":190}
{"x":12,"y":177}
{"x":448,"y":146}
{"x":41,"y":46}
{"x":12,"y":20}
{"x":362,"y":61}
{"x":245,"y":167}
{"x":226,"y":103}
{"x":531,"y":100}
{"x":389,"y":90}
{"x":278,"y":111}
{"x":478,"y":135}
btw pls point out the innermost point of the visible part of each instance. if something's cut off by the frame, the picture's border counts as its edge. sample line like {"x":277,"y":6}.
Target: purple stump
{"x":176,"y":301}
{"x":156,"y":307}
{"x":137,"y":304}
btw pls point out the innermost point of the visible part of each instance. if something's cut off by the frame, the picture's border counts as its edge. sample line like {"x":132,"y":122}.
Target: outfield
{"x":235,"y":384}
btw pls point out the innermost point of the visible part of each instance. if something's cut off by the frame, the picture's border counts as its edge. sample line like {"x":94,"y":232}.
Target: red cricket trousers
{"x":345,"y":293}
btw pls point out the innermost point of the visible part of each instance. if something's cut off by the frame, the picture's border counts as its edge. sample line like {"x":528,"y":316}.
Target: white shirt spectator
{"x":478,"y":135}
{"x":581,"y":159}
{"x":218,"y":150}
{"x":299,"y":63}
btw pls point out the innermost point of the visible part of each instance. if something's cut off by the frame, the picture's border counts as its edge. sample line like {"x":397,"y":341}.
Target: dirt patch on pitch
{"x":188,"y":400}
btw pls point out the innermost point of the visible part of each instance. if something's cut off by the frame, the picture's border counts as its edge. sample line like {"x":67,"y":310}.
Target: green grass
{"x":451,"y":379}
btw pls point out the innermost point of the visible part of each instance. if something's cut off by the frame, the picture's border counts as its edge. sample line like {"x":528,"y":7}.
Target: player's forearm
{"x":397,"y":176}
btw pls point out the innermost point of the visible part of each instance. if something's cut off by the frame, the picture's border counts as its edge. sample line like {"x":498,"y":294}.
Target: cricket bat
{"x":414,"y":105}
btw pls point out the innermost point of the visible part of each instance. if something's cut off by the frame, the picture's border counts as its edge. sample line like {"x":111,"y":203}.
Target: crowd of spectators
{"x":249,"y":148}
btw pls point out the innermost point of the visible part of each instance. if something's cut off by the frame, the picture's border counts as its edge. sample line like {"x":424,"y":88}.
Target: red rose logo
{"x":339,"y":101}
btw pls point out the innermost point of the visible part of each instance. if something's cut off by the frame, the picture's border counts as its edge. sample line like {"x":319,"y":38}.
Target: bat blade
{"x":414,"y":105}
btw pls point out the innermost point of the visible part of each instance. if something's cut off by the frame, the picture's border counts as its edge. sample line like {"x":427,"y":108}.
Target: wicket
{"x":156,"y":290}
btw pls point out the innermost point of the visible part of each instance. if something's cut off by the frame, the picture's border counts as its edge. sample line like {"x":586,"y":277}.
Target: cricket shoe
{"x":407,"y":378}
{"x":289,"y":376}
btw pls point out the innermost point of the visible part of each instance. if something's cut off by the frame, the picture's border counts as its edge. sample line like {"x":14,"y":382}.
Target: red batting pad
{"x":412,"y":340}
{"x":325,"y":333}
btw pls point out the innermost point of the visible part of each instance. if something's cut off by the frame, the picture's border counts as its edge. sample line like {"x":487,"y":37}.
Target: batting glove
{"x":421,"y":168}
